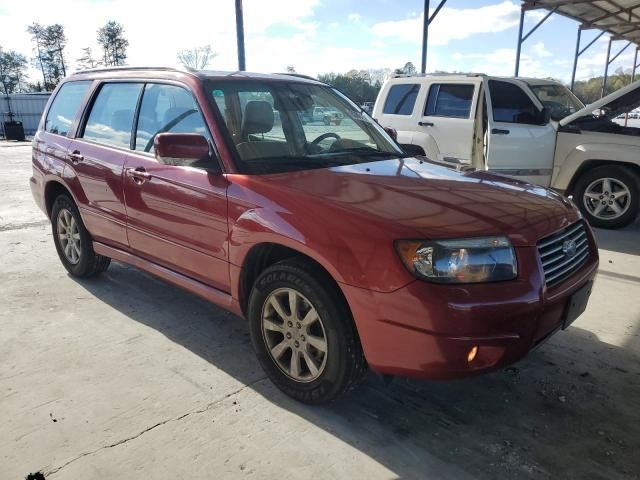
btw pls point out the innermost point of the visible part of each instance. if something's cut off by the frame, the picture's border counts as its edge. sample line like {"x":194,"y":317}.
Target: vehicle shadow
{"x":620,"y":240}
{"x":569,"y":410}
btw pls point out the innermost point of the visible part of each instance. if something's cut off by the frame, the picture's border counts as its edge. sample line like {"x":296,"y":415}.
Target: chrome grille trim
{"x":555,"y":264}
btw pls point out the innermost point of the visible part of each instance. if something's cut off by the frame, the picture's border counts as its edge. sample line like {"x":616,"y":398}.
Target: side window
{"x":449,"y":100}
{"x":111,"y":117}
{"x":167,"y":108}
{"x":401,"y":98}
{"x":510,"y":104}
{"x":65,"y":107}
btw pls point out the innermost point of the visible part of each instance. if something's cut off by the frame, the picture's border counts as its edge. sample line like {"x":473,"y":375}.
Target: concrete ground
{"x":125,"y":376}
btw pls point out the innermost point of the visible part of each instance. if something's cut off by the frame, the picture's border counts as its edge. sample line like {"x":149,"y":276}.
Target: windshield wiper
{"x":368,"y":152}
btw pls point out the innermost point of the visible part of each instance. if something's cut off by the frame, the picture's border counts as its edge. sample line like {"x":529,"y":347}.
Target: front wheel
{"x":608,"y":196}
{"x":303,"y":333}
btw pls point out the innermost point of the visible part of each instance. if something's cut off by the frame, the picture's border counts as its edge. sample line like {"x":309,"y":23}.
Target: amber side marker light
{"x":472,"y":354}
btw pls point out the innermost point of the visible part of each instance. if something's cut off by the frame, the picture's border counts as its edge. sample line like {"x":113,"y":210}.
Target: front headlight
{"x":468,"y":260}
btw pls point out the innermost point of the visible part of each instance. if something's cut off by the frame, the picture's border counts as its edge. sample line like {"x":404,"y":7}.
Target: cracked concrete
{"x":125,"y":376}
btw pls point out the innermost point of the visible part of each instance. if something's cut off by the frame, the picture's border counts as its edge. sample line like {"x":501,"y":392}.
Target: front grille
{"x":558,"y":262}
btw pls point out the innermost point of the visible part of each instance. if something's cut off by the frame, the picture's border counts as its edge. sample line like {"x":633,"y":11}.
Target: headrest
{"x":258,"y":117}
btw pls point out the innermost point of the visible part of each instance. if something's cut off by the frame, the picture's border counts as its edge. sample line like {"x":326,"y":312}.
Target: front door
{"x":177,"y":214}
{"x":520,"y":143}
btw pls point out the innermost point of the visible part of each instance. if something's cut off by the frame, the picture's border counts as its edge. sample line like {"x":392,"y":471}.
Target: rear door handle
{"x":139,"y":175}
{"x":499,"y":131}
{"x":75,"y":156}
{"x":425,"y":124}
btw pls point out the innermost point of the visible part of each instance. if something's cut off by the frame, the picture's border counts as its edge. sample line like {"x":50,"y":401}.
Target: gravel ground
{"x":127,"y":377}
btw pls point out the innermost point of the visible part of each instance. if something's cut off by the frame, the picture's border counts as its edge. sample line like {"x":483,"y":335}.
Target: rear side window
{"x":65,"y":107}
{"x":510,"y":104}
{"x":449,"y":100}
{"x":111,"y":117}
{"x":167,"y":108}
{"x":401,"y":99}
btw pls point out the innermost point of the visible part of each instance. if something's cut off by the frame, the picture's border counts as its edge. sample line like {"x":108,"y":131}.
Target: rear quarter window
{"x":65,"y":107}
{"x":401,"y":99}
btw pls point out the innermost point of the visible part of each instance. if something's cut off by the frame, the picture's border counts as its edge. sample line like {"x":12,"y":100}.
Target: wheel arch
{"x":262,"y":255}
{"x":52,"y":189}
{"x":595,"y":163}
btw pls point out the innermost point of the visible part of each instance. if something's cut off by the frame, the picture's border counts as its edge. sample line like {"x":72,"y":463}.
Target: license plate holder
{"x":576,"y":305}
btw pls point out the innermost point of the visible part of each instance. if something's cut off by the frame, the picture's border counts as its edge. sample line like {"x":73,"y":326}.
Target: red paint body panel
{"x":195,"y":228}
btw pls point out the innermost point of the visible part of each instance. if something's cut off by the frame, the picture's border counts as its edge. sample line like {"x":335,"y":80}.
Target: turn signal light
{"x":472,"y":354}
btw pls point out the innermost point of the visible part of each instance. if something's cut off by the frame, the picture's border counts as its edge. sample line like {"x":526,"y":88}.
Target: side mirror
{"x":392,"y":132}
{"x":413,"y":150}
{"x":543,"y":116}
{"x":181,"y":148}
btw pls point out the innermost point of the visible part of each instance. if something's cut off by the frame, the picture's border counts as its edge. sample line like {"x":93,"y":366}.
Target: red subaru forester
{"x":343,"y":251}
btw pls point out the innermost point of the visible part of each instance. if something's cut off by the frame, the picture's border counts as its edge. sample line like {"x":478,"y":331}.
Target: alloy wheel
{"x":607,"y":198}
{"x":69,"y":236}
{"x":294,"y":335}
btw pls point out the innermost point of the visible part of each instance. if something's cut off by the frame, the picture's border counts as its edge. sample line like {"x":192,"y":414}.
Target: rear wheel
{"x":608,"y":196}
{"x":72,"y":240}
{"x":303,"y":333}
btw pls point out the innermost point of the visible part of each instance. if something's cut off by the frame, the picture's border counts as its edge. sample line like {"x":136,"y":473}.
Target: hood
{"x":414,"y":198}
{"x":614,"y":104}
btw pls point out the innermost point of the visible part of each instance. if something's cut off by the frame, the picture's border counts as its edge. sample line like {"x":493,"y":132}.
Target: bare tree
{"x":197,"y":58}
{"x":86,"y":60}
{"x":114,"y":44}
{"x":291,"y":69}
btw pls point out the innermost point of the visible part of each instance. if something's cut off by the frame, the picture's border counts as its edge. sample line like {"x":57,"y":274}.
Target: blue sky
{"x":317,"y":36}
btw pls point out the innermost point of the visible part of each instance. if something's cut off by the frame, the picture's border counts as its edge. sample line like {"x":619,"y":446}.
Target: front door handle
{"x":139,"y":175}
{"x":499,"y":131}
{"x":75,"y":156}
{"x":425,"y":124}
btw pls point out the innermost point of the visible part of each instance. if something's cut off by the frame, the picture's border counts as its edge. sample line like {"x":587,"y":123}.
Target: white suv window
{"x":449,"y":100}
{"x":401,"y":98}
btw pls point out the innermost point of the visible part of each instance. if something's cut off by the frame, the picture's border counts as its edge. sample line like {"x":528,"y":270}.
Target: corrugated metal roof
{"x":620,"y":18}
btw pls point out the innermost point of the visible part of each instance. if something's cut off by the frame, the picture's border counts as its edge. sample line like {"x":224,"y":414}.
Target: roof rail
{"x":299,"y":75}
{"x":124,"y":67}
{"x":436,"y":74}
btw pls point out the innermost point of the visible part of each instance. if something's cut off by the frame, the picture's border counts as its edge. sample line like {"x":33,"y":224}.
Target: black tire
{"x":89,"y":263}
{"x":345,"y":363}
{"x":621,"y":174}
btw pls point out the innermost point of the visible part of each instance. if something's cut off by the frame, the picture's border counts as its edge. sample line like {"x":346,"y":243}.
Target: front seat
{"x":258,"y":118}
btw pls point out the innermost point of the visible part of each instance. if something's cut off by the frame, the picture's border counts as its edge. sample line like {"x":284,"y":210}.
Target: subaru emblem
{"x":569,"y":248}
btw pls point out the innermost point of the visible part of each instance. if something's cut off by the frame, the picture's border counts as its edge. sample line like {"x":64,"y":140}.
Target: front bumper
{"x":427,"y":330}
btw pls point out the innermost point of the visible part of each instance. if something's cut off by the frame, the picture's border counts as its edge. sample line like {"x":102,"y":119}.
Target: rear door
{"x":97,"y":159}
{"x":177,"y":214}
{"x":518,"y":144}
{"x":448,"y":117}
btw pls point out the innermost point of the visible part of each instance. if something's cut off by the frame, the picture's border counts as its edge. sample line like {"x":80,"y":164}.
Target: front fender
{"x":565,"y":171}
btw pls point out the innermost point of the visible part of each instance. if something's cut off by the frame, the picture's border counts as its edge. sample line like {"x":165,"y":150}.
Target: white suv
{"x":530,"y":129}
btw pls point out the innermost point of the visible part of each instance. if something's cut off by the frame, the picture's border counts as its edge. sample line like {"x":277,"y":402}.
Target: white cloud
{"x":354,"y":17}
{"x":453,"y":24}
{"x":539,"y":50}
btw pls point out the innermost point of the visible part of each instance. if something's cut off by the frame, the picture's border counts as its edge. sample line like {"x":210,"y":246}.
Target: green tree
{"x":49,"y":44}
{"x":37,"y":32}
{"x":114,"y":44}
{"x":355,"y":84}
{"x":12,"y":71}
{"x":589,"y":90}
{"x":87,"y":61}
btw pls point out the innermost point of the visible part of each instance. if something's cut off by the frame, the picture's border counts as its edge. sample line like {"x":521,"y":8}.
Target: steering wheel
{"x":324,"y":136}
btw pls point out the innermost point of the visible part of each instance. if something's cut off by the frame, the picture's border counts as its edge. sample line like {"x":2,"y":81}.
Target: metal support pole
{"x":575,"y":58}
{"x":606,"y":68}
{"x":240,"y":35}
{"x":425,"y":36}
{"x":518,"y":50}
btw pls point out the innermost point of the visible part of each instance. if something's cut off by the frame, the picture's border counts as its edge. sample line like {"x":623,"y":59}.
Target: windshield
{"x":283,"y":126}
{"x":557,"y":99}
